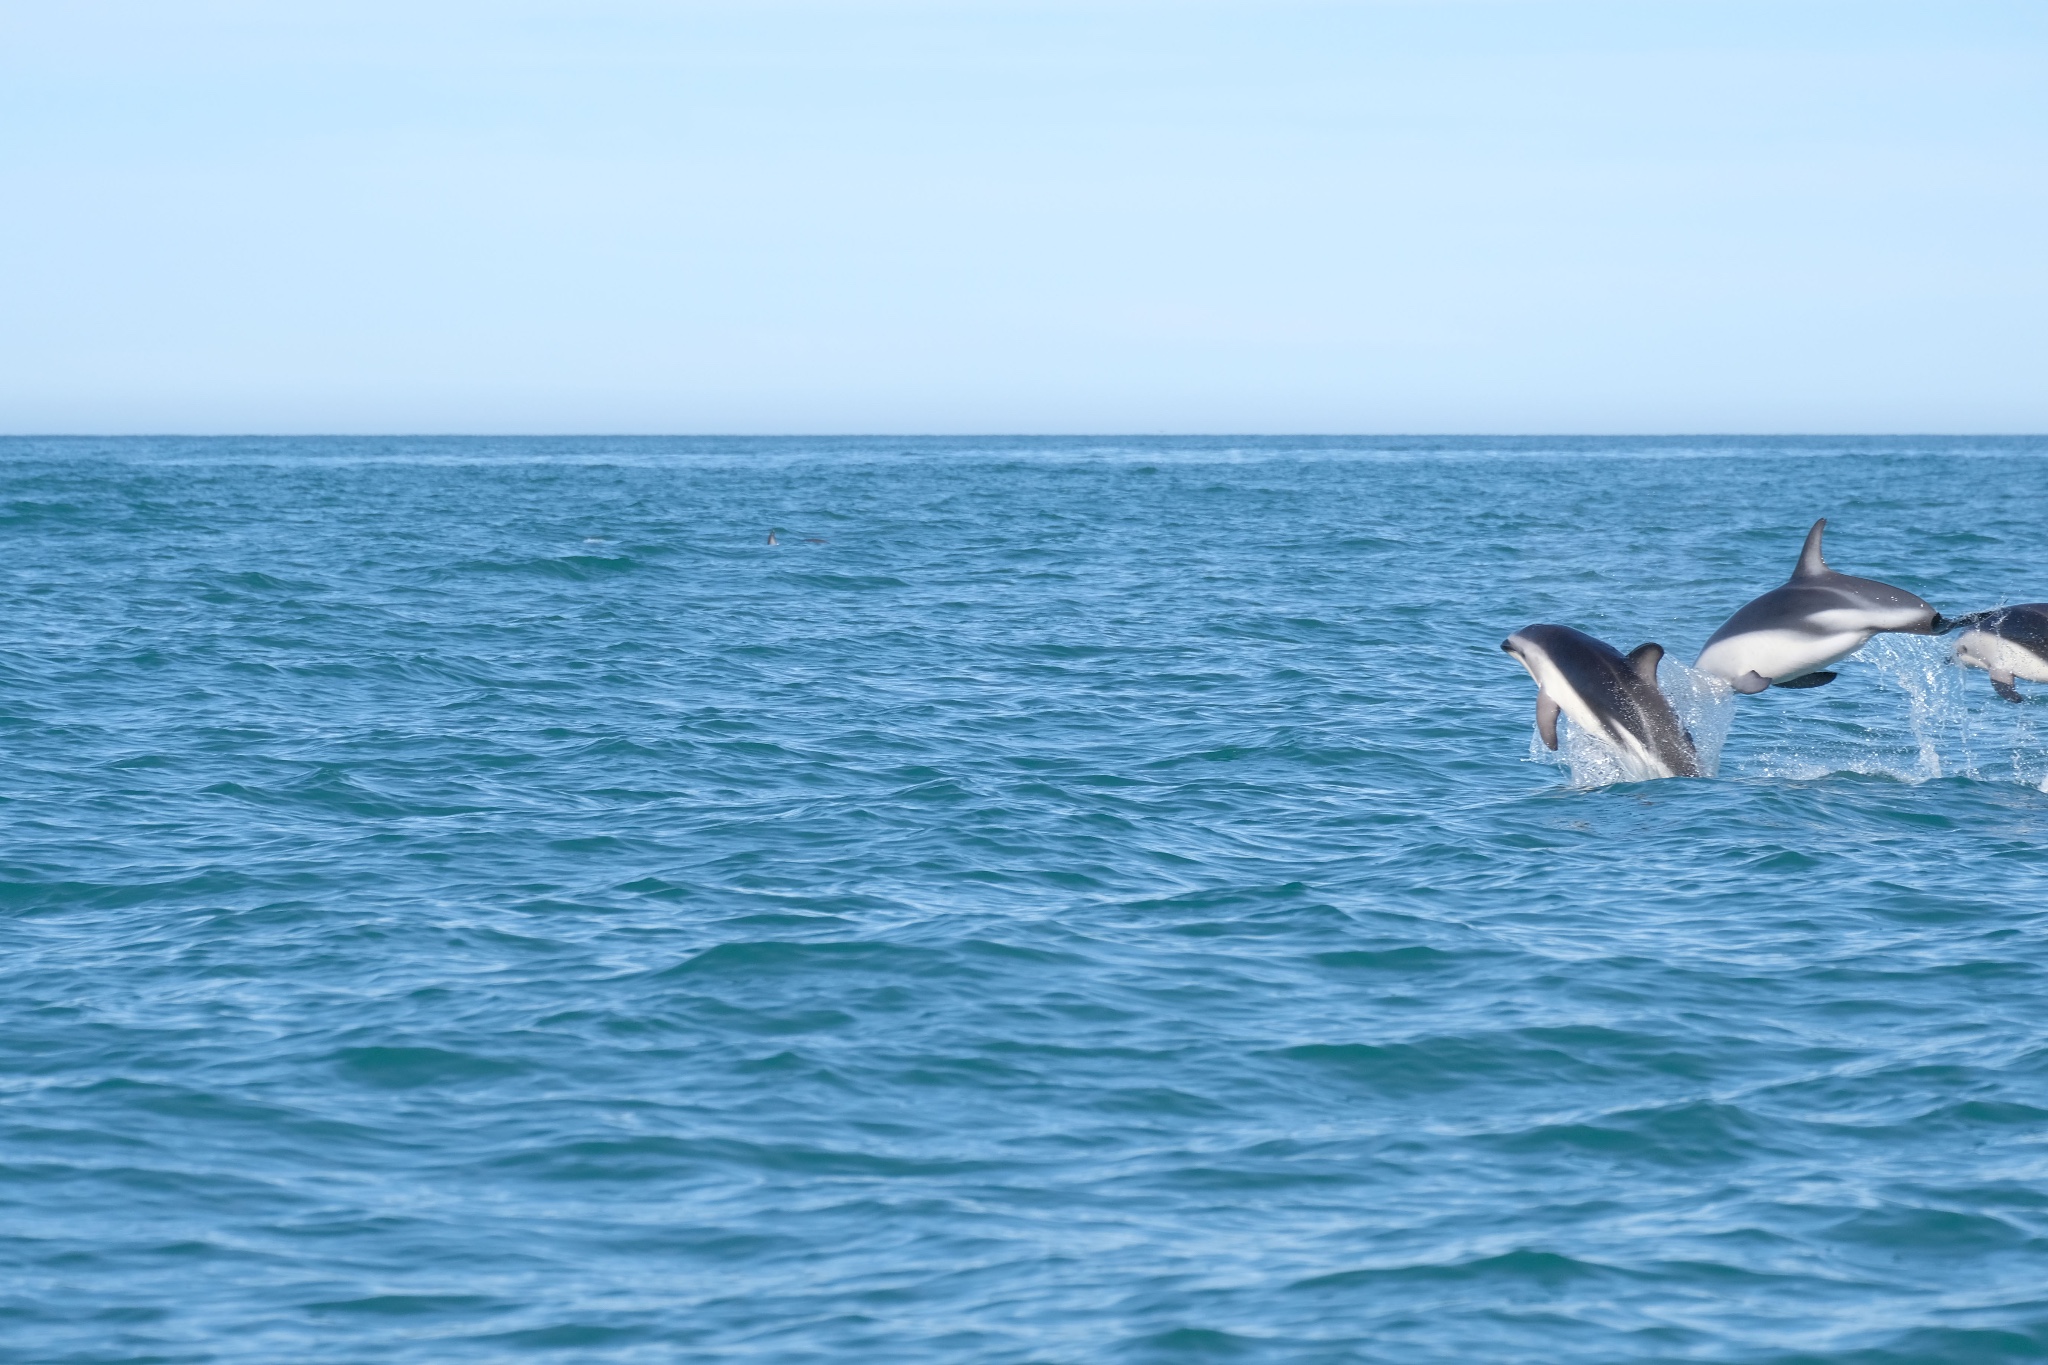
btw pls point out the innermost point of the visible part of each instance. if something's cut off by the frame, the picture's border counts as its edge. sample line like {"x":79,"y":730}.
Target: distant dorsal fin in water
{"x":1644,"y":660}
{"x":1810,"y":562}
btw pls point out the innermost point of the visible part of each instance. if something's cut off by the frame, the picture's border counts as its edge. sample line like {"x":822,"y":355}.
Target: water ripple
{"x":476,"y":900}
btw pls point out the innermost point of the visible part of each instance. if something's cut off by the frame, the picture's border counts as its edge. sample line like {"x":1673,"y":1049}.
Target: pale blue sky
{"x":981,"y":216}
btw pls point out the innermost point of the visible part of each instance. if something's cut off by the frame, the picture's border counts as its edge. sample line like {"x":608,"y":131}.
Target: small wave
{"x":836,"y":582}
{"x":1546,"y":1268}
{"x":20,"y":514}
{"x":409,"y":1068}
{"x":228,"y":587}
{"x":576,"y":568}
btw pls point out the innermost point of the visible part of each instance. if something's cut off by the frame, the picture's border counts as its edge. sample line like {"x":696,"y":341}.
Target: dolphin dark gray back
{"x":2025,"y":624}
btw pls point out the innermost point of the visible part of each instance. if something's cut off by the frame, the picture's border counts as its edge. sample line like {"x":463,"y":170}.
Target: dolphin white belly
{"x":2009,"y":643}
{"x":1998,"y":655}
{"x":1779,"y":654}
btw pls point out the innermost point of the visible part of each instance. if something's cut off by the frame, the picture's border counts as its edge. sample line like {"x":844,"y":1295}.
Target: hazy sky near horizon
{"x":1001,"y":215}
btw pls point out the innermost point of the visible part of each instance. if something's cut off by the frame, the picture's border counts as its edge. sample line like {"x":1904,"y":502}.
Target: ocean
{"x":1067,"y":900}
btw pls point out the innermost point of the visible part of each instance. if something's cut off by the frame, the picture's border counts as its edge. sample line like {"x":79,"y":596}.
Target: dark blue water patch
{"x":474,"y":899}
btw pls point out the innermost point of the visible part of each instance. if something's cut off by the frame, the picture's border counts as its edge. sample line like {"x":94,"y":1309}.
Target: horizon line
{"x":1012,"y":435}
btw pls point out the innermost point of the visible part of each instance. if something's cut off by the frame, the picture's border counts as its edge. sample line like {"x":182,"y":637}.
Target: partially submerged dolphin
{"x":1787,"y":636}
{"x":2009,"y":643}
{"x":1612,"y":698}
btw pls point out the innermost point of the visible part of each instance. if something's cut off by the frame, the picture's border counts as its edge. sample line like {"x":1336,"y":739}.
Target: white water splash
{"x":1706,"y":708}
{"x":1905,"y":709}
{"x":1591,"y":761}
{"x":2018,"y":727}
{"x":1924,"y":670}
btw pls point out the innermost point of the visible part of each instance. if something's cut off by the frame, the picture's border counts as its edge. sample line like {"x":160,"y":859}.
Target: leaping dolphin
{"x":2009,"y":643}
{"x":1787,"y":636}
{"x":1615,"y":699}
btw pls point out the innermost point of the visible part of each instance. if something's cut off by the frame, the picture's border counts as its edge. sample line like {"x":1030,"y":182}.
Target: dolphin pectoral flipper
{"x":1751,"y":683}
{"x":1810,"y":680}
{"x":1546,"y":720}
{"x":1644,"y":660}
{"x":1810,"y":562}
{"x":2001,"y":683}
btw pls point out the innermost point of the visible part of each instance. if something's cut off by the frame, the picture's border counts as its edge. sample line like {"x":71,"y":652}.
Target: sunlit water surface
{"x":1069,"y":900}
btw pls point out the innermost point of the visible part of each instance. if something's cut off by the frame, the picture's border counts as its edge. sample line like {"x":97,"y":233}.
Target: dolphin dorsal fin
{"x":1810,"y":562}
{"x":1644,"y":660}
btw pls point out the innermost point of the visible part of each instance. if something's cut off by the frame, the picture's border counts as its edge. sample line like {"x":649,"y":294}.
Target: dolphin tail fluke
{"x":1644,"y":660}
{"x":1751,"y":683}
{"x":1809,"y":680}
{"x":1810,"y":561}
{"x":1546,"y":720}
{"x":2001,"y":683}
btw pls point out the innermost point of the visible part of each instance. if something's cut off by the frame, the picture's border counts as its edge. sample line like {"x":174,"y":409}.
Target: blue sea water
{"x":1067,"y":901}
